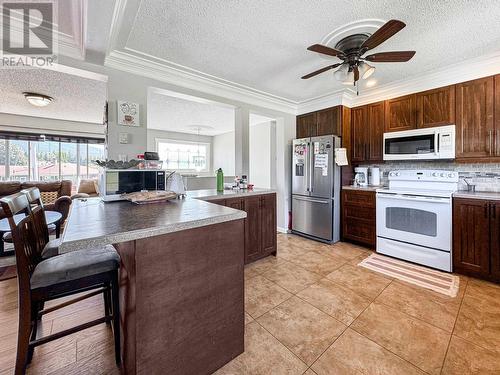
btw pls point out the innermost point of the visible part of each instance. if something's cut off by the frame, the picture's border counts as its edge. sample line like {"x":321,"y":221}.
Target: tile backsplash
{"x":486,"y":176}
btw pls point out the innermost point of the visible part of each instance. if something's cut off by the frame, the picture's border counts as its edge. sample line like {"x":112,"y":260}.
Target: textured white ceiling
{"x":181,"y":115}
{"x":262,"y":44}
{"x":75,"y":98}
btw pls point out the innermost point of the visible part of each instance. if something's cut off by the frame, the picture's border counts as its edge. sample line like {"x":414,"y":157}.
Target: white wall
{"x":260,"y":154}
{"x":128,"y":86}
{"x":223,"y":153}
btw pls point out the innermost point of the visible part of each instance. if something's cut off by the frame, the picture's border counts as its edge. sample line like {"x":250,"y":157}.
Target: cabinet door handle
{"x":493,"y":208}
{"x":486,"y":208}
{"x":490,"y":142}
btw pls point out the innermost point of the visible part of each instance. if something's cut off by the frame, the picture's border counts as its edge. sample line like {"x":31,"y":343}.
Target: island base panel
{"x":181,"y":295}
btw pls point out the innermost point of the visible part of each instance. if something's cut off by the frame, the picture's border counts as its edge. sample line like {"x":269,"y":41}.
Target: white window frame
{"x":181,"y":142}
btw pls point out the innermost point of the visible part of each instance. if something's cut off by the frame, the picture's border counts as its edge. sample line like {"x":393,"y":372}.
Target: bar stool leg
{"x":107,"y":301}
{"x":116,"y":317}
{"x":23,"y":336}
{"x":34,"y":327}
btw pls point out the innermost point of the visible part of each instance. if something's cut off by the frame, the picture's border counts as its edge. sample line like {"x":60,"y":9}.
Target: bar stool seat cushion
{"x":52,"y":248}
{"x":74,"y":265}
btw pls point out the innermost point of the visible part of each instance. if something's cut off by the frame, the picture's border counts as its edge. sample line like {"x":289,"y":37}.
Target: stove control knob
{"x":398,"y":174}
{"x":443,"y":174}
{"x":450,"y":175}
{"x":435,"y":174}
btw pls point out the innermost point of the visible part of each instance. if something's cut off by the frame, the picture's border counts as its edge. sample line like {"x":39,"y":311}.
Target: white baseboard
{"x":282,"y":230}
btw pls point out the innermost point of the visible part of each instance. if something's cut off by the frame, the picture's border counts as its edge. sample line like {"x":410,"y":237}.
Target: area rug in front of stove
{"x":424,"y":277}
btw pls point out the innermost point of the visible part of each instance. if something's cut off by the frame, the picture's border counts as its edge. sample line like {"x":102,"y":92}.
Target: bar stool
{"x":35,"y":199}
{"x":94,"y":271}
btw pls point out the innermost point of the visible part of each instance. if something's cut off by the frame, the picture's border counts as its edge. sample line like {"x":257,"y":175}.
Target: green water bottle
{"x":220,"y":180}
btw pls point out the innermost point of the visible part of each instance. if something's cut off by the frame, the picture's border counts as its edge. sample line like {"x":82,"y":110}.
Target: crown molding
{"x":464,"y":71}
{"x":145,"y":65}
{"x":339,"y":97}
{"x":467,"y":70}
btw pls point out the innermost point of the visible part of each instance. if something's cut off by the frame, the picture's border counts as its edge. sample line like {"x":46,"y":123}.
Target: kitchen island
{"x":260,"y":223}
{"x":181,"y":280}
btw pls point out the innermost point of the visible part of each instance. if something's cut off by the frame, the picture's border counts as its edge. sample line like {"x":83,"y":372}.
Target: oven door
{"x":423,"y":221}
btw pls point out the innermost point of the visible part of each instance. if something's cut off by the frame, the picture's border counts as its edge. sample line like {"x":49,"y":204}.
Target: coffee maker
{"x":361,"y":176}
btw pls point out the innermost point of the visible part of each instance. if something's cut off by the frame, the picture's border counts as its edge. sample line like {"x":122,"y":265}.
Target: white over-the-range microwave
{"x":420,"y":144}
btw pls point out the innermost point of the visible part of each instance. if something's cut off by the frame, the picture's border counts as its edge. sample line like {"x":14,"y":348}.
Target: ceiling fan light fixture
{"x":38,"y":100}
{"x":341,"y":73}
{"x":365,"y":70}
{"x":349,"y":79}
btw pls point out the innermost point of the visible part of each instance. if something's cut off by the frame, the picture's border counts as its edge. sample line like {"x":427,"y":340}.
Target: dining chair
{"x":92,"y":271}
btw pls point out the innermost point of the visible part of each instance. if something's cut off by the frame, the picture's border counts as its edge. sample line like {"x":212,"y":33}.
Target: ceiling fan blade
{"x":326,"y":68}
{"x":325,"y":50}
{"x":356,"y":74}
{"x":398,"y":56}
{"x":381,"y":35}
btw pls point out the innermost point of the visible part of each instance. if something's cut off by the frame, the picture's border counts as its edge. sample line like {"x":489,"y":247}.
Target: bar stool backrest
{"x":33,"y":195}
{"x":28,"y":245}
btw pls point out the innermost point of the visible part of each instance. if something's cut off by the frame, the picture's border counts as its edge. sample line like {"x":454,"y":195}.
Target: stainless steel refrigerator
{"x":316,"y":188}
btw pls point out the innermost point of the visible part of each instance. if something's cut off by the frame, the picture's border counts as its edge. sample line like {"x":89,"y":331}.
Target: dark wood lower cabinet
{"x":260,"y":224}
{"x":476,"y":237}
{"x":495,"y":240}
{"x":358,"y":216}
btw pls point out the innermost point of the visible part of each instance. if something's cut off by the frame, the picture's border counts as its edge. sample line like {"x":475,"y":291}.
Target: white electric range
{"x":414,"y":217}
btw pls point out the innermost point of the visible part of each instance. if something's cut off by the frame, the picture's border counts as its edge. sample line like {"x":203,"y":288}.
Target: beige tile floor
{"x":313,"y":311}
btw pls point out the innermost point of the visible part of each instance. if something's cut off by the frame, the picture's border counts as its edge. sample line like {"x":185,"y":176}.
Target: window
{"x":183,"y":155}
{"x":49,"y":161}
{"x":94,"y":152}
{"x":18,"y":156}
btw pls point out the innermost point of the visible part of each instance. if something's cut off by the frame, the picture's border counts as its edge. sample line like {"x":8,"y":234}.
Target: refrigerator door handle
{"x":311,"y":200}
{"x":311,"y":167}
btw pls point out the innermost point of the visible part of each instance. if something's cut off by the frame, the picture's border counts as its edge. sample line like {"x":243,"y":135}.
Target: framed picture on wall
{"x":128,"y":113}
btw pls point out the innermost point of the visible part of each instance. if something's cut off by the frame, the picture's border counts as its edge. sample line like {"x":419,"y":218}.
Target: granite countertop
{"x":94,"y":223}
{"x":363,"y":188}
{"x":213,"y":194}
{"x":491,"y":195}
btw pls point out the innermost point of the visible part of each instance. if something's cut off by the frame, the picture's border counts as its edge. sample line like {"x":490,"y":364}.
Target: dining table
{"x":53,"y":219}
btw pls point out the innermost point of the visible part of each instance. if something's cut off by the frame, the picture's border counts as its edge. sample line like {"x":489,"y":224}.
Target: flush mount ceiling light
{"x":38,"y":100}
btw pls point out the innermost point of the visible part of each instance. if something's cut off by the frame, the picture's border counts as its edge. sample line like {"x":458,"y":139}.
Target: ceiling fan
{"x":352,"y":48}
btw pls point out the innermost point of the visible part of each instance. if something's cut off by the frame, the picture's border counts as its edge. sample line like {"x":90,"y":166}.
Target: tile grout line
{"x":382,"y":346}
{"x":454,"y":324}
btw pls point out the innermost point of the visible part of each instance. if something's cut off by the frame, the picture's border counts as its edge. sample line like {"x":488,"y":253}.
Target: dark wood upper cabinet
{"x":367,"y":126}
{"x":375,"y":131}
{"x":496,"y":131}
{"x":436,"y":107}
{"x":329,"y":121}
{"x":400,"y":113}
{"x":306,"y":126}
{"x":475,"y":136}
{"x":359,"y":133}
{"x":325,"y":122}
{"x":471,"y":236}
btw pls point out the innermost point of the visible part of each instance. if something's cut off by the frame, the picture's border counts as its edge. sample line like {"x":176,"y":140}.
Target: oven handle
{"x":413,"y":198}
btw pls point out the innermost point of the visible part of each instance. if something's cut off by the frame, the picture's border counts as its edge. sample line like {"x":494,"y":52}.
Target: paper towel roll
{"x":341,"y":156}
